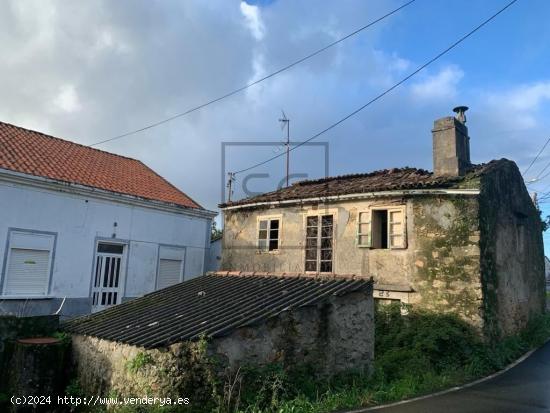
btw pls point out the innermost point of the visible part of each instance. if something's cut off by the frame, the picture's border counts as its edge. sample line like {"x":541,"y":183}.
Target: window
{"x":29,"y":263}
{"x":268,"y":234}
{"x":382,"y":228}
{"x":170,"y":266}
{"x":319,"y":231}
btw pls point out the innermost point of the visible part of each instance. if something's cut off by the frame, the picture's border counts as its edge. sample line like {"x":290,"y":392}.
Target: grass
{"x":416,"y":354}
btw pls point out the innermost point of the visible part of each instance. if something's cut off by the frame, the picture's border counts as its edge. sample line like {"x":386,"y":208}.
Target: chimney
{"x":451,"y":144}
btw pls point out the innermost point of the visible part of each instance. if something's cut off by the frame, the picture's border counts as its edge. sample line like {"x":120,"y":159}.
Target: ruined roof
{"x":34,"y":153}
{"x":211,"y":305}
{"x":377,"y":181}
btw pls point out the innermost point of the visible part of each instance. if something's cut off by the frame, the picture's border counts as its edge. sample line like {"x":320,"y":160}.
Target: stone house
{"x":154,"y":344}
{"x":464,"y":238}
{"x":83,"y":229}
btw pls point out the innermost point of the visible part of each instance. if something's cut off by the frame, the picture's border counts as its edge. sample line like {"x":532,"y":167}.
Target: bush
{"x":417,"y":353}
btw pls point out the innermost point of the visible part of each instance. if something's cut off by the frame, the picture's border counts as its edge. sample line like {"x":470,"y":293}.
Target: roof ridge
{"x":36,"y":153}
{"x":68,"y":141}
{"x":269,"y":274}
{"x":169,"y":183}
{"x":362,"y":175}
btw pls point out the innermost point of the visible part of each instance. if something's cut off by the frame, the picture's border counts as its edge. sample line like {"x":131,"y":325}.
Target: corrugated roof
{"x":213,"y":305}
{"x":34,"y":153}
{"x":377,"y":181}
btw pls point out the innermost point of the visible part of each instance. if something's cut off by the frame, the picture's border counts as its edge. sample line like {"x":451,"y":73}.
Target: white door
{"x":108,"y":276}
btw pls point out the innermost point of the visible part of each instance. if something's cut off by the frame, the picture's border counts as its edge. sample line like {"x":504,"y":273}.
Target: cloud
{"x":528,"y":97}
{"x":88,"y":71}
{"x":253,"y":20}
{"x":519,"y":105}
{"x":67,"y":99}
{"x":442,"y":85}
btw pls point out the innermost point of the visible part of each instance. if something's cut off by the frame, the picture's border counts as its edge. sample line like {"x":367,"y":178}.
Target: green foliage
{"x":3,"y":397}
{"x":138,"y":362}
{"x":74,"y":389}
{"x":417,"y":353}
{"x":215,"y":232}
{"x":63,"y":337}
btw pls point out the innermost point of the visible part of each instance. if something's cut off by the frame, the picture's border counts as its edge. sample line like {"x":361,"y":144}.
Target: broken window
{"x":319,"y":231}
{"x":382,"y":228}
{"x":268,"y":235}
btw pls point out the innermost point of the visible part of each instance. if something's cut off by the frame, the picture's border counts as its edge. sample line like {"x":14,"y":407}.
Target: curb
{"x":452,"y":389}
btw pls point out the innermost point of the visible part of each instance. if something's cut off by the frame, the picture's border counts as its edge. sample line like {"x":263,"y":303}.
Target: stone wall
{"x":440,"y":263}
{"x":333,"y":336}
{"x":480,"y":256}
{"x":512,"y":252}
{"x":240,"y":252}
{"x":447,"y":256}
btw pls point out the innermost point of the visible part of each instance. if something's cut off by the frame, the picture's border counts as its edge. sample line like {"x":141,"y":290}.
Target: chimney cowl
{"x":460,"y":113}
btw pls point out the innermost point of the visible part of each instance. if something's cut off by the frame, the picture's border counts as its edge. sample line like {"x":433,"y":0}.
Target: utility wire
{"x":538,"y":177}
{"x":255,"y":82}
{"x":536,"y":157}
{"x":433,"y":59}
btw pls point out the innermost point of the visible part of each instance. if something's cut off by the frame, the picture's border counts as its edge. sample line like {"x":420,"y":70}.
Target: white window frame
{"x":10,"y":244}
{"x":269,"y":218}
{"x":176,"y":257}
{"x":319,"y":213}
{"x":364,"y":219}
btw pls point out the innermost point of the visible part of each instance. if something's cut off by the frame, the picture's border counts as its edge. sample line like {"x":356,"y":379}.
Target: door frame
{"x":124,"y":264}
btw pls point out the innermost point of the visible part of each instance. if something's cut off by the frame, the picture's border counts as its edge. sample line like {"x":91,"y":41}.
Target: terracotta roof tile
{"x":377,"y":181}
{"x":34,"y":153}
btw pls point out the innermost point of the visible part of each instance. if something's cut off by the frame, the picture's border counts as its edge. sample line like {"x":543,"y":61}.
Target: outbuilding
{"x":184,"y":339}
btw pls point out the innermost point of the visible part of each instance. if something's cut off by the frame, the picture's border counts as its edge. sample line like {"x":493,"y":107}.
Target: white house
{"x":214,"y":259}
{"x":83,"y":229}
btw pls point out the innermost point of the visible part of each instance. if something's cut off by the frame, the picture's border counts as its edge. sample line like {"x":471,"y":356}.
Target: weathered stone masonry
{"x":477,"y":255}
{"x":331,"y":336}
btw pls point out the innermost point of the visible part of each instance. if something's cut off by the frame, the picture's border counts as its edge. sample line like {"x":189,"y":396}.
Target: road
{"x":522,"y":389}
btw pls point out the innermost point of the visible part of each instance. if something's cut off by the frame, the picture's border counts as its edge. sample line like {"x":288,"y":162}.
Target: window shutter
{"x":397,"y":228}
{"x":28,"y":272}
{"x":169,"y":272}
{"x":364,"y":229}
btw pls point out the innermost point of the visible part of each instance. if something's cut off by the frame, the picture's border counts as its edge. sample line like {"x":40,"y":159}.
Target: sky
{"x":89,"y":70}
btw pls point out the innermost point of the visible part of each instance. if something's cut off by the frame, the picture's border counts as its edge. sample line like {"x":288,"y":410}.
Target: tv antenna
{"x":285,"y":123}
{"x":230,"y":180}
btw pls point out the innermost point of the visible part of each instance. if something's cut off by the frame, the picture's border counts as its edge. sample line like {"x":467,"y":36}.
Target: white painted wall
{"x":79,"y":221}
{"x":214,"y":256}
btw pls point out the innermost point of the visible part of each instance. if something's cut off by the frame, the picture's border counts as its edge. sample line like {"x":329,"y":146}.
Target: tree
{"x":215,"y":232}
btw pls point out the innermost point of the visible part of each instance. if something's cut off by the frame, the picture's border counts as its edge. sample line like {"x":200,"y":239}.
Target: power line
{"x":433,"y":59}
{"x":538,"y":177}
{"x":255,"y":82}
{"x":536,"y":157}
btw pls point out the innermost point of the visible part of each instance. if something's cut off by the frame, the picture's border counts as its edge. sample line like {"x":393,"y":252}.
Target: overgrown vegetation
{"x":417,"y":353}
{"x":138,"y":362}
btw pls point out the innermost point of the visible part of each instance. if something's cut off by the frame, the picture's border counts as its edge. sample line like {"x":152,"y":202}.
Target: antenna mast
{"x":230,"y":179}
{"x":285,"y":122}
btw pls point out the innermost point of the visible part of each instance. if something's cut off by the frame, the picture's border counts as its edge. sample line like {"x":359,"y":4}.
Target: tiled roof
{"x":213,"y":305}
{"x":377,"y":181}
{"x":35,"y":153}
